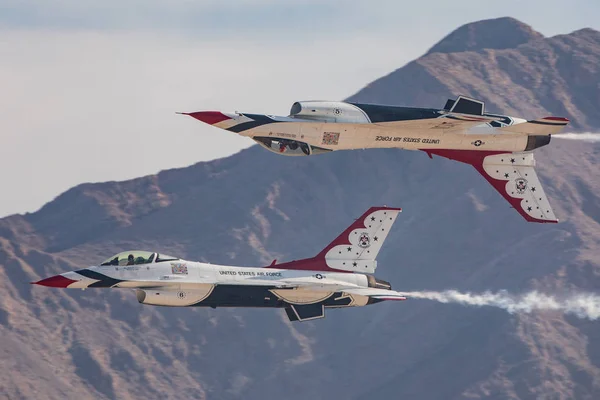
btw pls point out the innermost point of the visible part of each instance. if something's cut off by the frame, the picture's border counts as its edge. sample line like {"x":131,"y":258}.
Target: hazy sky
{"x":89,"y":88}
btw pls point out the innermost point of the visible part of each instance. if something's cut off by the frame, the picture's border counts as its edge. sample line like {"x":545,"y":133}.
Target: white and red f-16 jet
{"x":339,"y":276}
{"x":498,"y":146}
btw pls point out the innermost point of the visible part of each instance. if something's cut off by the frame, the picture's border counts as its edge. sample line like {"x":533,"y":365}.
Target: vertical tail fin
{"x":357,"y":247}
{"x":513,"y":176}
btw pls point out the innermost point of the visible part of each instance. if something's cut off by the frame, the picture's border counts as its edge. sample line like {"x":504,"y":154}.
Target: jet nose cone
{"x":209,"y":117}
{"x":55,"y":281}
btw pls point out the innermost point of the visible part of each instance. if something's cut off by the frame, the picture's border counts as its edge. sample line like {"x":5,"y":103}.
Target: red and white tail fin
{"x":356,"y":248}
{"x":513,"y":176}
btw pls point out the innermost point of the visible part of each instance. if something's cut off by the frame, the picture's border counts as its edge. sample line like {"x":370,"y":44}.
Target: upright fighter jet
{"x":339,"y":276}
{"x":498,"y":146}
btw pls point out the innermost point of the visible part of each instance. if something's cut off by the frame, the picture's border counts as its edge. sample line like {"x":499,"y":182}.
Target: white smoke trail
{"x":582,"y":305}
{"x":584,"y":136}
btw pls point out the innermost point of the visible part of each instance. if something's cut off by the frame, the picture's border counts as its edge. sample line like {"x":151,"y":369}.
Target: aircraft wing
{"x":307,"y":312}
{"x":452,"y":122}
{"x":458,"y":115}
{"x":374,"y":293}
{"x":176,"y":283}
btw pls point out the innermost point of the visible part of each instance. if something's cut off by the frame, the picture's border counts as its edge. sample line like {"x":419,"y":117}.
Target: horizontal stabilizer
{"x":543,"y":126}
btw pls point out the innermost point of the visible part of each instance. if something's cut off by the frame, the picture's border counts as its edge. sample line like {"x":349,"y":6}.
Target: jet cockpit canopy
{"x":136,"y":257}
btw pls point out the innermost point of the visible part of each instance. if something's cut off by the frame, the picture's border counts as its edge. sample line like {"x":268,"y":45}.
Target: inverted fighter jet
{"x":339,"y":276}
{"x":498,"y":146}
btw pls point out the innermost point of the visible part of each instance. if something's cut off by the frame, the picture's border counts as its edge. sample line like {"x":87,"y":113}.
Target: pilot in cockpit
{"x":136,"y":258}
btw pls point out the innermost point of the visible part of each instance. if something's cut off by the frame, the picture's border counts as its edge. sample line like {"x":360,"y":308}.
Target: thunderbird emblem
{"x":364,"y":240}
{"x":521,"y":185}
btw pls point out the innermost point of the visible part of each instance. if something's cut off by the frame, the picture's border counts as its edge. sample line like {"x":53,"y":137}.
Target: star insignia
{"x":533,"y":188}
{"x":506,"y":175}
{"x":512,"y":160}
{"x":372,"y":218}
{"x":354,"y":264}
{"x":349,"y":248}
{"x":375,"y":238}
{"x":528,"y":208}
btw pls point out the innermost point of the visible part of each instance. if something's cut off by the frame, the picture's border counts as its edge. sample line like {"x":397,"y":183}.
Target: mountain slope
{"x":455,"y":232}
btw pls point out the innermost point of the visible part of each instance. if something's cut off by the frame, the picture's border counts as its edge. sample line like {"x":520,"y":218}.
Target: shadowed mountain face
{"x":455,"y":232}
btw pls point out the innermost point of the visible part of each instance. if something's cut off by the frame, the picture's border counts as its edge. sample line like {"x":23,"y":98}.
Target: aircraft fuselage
{"x":186,"y":283}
